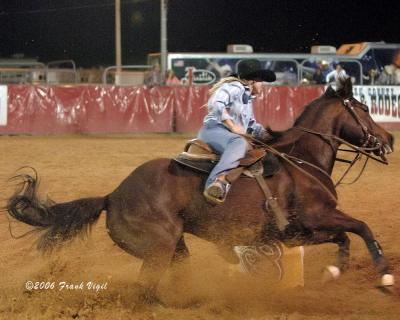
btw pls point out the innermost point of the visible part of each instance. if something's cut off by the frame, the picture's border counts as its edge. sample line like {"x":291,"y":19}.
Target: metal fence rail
{"x":120,"y":76}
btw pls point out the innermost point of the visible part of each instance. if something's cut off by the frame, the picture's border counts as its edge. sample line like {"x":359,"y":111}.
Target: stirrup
{"x":217,"y":191}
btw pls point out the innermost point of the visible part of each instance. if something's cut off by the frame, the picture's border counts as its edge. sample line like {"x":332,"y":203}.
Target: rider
{"x":230,"y":115}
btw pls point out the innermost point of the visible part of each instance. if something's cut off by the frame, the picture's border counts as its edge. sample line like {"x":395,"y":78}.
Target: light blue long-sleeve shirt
{"x":233,"y":101}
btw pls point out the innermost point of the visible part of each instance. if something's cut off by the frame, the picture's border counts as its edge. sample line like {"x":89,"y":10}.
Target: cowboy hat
{"x":251,"y":70}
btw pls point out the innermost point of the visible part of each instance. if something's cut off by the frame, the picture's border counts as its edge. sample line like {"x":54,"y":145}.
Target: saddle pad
{"x":197,"y":165}
{"x":271,"y":165}
{"x":270,"y":162}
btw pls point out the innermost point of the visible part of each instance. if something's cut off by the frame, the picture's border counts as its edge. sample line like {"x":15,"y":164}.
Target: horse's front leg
{"x":336,"y":221}
{"x":343,"y":255}
{"x":339,"y":238}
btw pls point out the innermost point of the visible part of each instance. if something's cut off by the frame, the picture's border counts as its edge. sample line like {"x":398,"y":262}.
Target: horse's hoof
{"x":150,"y":300}
{"x":386,"y":284}
{"x":142,"y":301}
{"x":147,"y":297}
{"x":387,"y":280}
{"x":330,"y":273}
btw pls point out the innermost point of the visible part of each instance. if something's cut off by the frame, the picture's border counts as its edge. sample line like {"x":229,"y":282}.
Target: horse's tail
{"x":61,"y":222}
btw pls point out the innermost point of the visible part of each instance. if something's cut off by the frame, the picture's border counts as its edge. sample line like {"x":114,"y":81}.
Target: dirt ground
{"x":73,"y":167}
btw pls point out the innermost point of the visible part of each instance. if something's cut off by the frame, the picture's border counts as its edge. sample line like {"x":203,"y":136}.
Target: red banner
{"x":88,"y":109}
{"x":116,"y":109}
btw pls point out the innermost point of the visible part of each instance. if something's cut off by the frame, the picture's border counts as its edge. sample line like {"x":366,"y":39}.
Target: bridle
{"x":370,"y":143}
{"x":369,"y":139}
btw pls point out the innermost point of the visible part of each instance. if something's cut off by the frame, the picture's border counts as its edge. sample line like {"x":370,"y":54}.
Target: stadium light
{"x":163,"y":33}
{"x":118,"y":57}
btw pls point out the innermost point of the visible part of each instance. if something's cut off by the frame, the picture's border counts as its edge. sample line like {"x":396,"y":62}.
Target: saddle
{"x":257,"y":163}
{"x":199,"y":156}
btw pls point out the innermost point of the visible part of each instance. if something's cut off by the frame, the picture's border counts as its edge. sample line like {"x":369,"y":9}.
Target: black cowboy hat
{"x":251,"y":70}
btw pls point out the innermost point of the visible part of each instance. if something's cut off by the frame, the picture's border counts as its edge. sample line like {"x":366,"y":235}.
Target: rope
{"x":330,"y":137}
{"x":285,"y":157}
{"x":356,"y":149}
{"x":362,"y":150}
{"x":358,"y":177}
{"x":300,"y":161}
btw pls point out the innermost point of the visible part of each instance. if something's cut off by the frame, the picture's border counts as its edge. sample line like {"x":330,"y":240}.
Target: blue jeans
{"x":231,"y":146}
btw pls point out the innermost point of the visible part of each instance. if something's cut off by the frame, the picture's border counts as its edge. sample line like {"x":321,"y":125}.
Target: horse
{"x":149,"y":212}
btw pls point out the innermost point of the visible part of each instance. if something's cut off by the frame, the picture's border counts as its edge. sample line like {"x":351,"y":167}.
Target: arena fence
{"x":42,"y":109}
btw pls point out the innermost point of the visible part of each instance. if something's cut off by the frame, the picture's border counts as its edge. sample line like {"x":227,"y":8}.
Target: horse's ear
{"x":329,"y":93}
{"x":345,"y":88}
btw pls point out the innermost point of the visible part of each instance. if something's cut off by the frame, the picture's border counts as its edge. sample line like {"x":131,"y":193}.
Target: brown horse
{"x":159,"y":201}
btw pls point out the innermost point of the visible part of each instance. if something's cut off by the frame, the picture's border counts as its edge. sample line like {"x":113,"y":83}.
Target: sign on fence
{"x":3,"y":105}
{"x":383,"y":101}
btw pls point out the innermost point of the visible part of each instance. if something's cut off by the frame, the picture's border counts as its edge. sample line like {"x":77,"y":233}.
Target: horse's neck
{"x":310,"y":147}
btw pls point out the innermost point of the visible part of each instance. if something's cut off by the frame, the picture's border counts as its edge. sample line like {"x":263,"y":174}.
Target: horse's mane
{"x":311,"y":107}
{"x":344,"y":88}
{"x":310,"y":111}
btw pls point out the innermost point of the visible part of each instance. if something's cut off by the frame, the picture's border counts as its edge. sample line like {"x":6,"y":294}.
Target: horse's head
{"x":356,"y":125}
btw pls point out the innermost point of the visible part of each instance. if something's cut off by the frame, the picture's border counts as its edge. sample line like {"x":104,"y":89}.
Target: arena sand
{"x":73,"y":167}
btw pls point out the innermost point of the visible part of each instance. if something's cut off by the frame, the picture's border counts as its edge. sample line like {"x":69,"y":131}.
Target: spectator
{"x":171,"y":79}
{"x":336,"y":75}
{"x":371,"y":77}
{"x":223,"y":70}
{"x":390,"y":74}
{"x":153,"y":77}
{"x":289,"y":77}
{"x":318,"y":77}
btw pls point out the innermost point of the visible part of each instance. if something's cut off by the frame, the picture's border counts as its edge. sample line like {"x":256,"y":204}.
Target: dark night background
{"x":83,"y":30}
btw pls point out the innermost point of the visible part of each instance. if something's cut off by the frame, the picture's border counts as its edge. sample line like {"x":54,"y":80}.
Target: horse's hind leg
{"x":180,"y":266}
{"x":156,"y":261}
{"x":181,"y":251}
{"x":154,"y":241}
{"x":153,"y":267}
{"x":338,"y":221}
{"x":180,"y":271}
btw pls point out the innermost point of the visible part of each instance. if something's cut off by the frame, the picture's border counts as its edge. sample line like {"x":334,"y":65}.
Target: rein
{"x":358,"y":157}
{"x":291,"y":160}
{"x":351,"y":163}
{"x":364,"y":149}
{"x":329,"y":138}
{"x":355,"y":149}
